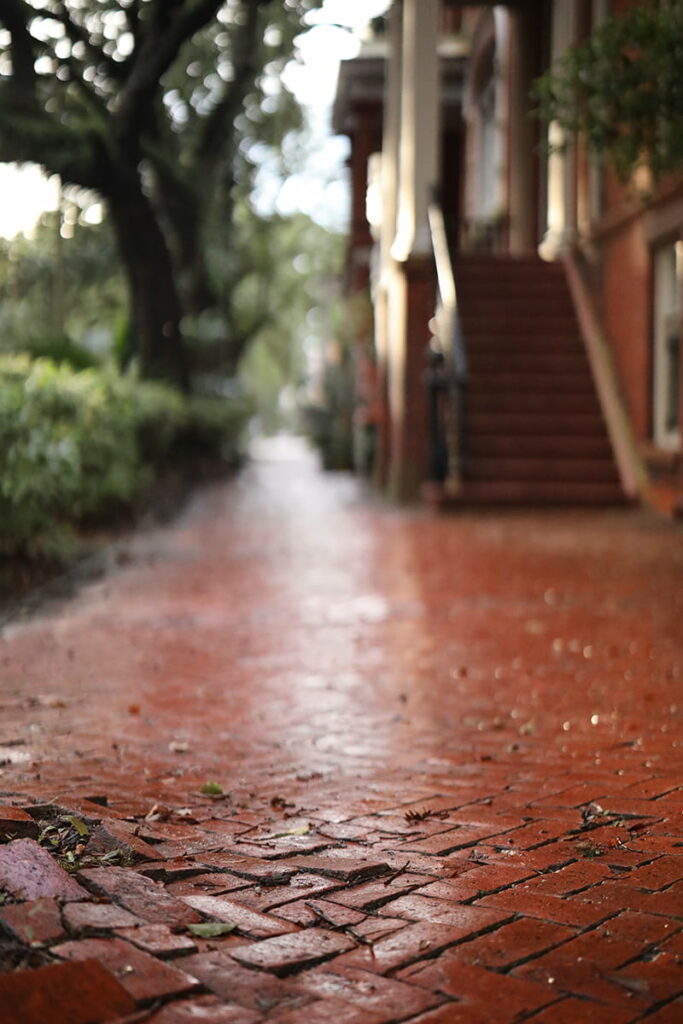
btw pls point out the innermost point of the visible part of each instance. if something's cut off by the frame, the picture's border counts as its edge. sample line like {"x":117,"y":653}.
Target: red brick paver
{"x":307,"y":758}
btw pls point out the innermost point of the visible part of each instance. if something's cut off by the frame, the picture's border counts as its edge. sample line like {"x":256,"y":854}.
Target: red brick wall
{"x":626,"y":291}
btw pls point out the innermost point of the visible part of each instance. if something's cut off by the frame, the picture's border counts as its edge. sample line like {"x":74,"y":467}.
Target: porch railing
{"x":447,"y":373}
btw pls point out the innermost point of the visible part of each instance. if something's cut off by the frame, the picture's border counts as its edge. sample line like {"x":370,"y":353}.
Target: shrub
{"x":78,"y":446}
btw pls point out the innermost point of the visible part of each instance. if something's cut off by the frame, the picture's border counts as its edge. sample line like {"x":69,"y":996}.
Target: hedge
{"x":83,"y":445}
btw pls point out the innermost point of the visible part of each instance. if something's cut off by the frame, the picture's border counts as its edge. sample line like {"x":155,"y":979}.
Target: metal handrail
{"x":448,"y":377}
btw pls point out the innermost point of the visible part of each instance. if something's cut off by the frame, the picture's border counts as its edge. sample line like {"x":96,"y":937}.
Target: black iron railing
{"x":447,"y":372}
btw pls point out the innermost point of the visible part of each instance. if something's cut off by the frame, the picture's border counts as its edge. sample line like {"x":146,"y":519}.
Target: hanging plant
{"x":622,"y":90}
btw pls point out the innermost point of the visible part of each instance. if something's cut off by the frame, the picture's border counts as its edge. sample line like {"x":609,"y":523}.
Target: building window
{"x":668,"y":281}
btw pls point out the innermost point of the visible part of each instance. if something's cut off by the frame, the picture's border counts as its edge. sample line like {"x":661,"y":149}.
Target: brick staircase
{"x":534,"y":428}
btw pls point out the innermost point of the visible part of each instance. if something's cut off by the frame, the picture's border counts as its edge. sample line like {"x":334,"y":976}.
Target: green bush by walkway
{"x":81,"y":446}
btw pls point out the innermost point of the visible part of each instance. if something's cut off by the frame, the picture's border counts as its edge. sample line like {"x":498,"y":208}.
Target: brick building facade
{"x":552,"y":369}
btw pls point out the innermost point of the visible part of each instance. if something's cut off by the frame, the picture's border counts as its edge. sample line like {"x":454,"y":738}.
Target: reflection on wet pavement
{"x":292,"y":637}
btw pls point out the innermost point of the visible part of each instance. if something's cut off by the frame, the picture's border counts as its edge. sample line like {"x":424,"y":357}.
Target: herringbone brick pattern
{"x":304,"y":758}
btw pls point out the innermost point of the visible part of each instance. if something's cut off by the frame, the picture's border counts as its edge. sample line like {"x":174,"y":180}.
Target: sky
{"x":319,"y":189}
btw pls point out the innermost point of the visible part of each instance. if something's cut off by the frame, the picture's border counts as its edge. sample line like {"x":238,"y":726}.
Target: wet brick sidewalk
{"x":441,"y":763}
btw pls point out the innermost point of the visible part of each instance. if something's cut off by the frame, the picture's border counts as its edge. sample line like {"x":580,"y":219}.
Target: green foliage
{"x":283,"y":303}
{"x":331,"y":420}
{"x":78,"y":446}
{"x":622,"y":89}
{"x":61,"y":298}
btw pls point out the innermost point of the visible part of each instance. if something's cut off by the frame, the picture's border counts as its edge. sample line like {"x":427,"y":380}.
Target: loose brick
{"x":120,"y":835}
{"x":174,"y":871}
{"x":300,"y":913}
{"x":513,"y":943}
{"x":454,"y":1013}
{"x":472,"y":920}
{"x":571,"y":1011}
{"x":33,"y":923}
{"x":456,"y":839}
{"x":376,"y":928}
{"x":414,"y":942}
{"x":323,"y":1011}
{"x":28,"y":872}
{"x":348,"y":869}
{"x":570,"y":879}
{"x":300,"y":886}
{"x":263,"y":871}
{"x":482,"y":991}
{"x":205,"y":1010}
{"x":285,"y":954}
{"x":63,"y":994}
{"x":142,"y":975}
{"x":372,"y":895}
{"x":520,"y":900}
{"x":658,"y":979}
{"x":16,"y":824}
{"x":157,"y":939}
{"x":140,"y":895}
{"x":613,"y":896}
{"x":670,"y":1014}
{"x":228,"y":980}
{"x":364,"y":989}
{"x":97,"y":917}
{"x":209,"y":883}
{"x":246,"y":921}
{"x":581,"y":978}
{"x":660,"y":874}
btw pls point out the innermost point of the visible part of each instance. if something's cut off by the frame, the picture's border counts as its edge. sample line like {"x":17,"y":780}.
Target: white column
{"x":391,"y":134}
{"x":561,"y":165}
{"x":419,"y":126}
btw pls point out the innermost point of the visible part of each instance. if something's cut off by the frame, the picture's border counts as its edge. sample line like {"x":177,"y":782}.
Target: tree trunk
{"x":183,"y":217}
{"x":154,"y":302}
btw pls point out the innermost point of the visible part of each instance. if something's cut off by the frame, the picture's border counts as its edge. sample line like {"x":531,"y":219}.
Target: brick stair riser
{"x":525,"y":423}
{"x":546,"y":404}
{"x":535,"y":432}
{"x":530,"y":364}
{"x":539,"y":446}
{"x":537,"y":383}
{"x":518,"y":303}
{"x":526,"y":468}
{"x":504,"y":324}
{"x":536,"y":493}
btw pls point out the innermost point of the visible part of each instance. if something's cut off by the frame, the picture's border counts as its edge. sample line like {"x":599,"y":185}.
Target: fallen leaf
{"x":300,"y":830}
{"x":630,"y":983}
{"x":79,"y":825}
{"x":211,"y":789}
{"x":211,"y":929}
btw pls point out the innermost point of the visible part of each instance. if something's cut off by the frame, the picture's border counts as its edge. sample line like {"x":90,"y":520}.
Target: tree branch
{"x":173,"y":23}
{"x":16,"y":16}
{"x":30,"y":136}
{"x":214,"y":138}
{"x":78,"y":34}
